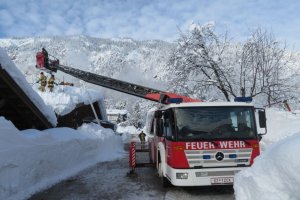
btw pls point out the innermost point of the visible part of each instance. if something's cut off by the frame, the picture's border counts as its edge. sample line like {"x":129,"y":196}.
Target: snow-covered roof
{"x":19,"y":78}
{"x":64,"y":99}
{"x":207,"y":104}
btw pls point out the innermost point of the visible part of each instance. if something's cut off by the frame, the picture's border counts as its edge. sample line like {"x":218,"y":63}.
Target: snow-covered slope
{"x":281,"y":124}
{"x":19,"y":78}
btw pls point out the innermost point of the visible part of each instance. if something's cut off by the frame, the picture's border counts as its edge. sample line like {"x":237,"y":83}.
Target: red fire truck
{"x":192,"y":143}
{"x":206,"y":143}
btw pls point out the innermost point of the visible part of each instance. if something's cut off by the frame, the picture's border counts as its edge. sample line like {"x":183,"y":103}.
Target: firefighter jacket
{"x":43,"y":80}
{"x":51,"y":82}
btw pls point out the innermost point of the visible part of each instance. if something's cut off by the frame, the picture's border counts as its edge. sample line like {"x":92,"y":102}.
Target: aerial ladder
{"x":43,"y":62}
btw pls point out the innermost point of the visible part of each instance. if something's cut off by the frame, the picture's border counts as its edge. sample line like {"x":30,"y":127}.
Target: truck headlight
{"x":182,"y":175}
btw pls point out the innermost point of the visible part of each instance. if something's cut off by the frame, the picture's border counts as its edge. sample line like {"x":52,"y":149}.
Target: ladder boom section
{"x":118,"y":85}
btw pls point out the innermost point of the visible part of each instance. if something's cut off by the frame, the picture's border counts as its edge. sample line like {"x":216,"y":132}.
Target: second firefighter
{"x":51,"y":82}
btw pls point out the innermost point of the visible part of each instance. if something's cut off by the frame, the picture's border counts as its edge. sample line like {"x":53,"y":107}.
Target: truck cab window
{"x":215,"y":122}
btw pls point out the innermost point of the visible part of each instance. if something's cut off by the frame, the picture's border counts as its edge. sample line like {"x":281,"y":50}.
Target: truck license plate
{"x":223,"y":180}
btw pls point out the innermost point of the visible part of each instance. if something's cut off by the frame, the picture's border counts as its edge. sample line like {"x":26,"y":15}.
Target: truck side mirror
{"x":262,"y":118}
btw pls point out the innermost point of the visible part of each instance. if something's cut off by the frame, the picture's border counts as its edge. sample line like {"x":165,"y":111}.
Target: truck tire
{"x":165,"y":182}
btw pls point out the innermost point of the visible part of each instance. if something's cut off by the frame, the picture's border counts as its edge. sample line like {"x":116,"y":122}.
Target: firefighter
{"x":142,"y":137}
{"x":51,"y":83}
{"x":43,"y":81}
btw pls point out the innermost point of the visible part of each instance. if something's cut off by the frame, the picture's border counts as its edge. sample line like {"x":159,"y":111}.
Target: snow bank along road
{"x":275,"y":174}
{"x":33,"y":160}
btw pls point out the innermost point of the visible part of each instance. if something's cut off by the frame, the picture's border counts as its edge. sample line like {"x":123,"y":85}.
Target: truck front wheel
{"x":164,"y":181}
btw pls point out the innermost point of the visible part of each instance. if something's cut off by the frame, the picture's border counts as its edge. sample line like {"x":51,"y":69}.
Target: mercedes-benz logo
{"x":219,"y":156}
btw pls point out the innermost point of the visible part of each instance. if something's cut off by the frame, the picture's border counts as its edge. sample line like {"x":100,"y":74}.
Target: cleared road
{"x":109,"y":181}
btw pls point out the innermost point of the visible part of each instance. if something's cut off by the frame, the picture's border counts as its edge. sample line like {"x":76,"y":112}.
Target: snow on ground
{"x":274,"y":175}
{"x":64,"y":99}
{"x":128,"y":132}
{"x":15,"y":73}
{"x":32,"y":160}
{"x":280,"y":124}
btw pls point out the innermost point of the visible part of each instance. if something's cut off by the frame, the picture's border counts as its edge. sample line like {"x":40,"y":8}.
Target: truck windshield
{"x":213,"y":123}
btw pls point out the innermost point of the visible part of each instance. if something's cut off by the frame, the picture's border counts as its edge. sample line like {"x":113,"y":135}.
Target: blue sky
{"x":148,"y":19}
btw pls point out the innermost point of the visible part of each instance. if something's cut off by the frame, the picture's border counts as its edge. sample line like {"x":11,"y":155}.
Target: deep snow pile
{"x":15,"y":73}
{"x":64,"y":99}
{"x":274,"y":175}
{"x":31,"y":160}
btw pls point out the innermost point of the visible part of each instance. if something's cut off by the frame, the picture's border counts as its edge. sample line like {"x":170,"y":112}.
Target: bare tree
{"x":263,"y":64}
{"x":204,"y":60}
{"x":199,"y":62}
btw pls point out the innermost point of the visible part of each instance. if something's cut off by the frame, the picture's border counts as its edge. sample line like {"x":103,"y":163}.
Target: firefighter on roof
{"x":51,"y":83}
{"x":43,"y":81}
